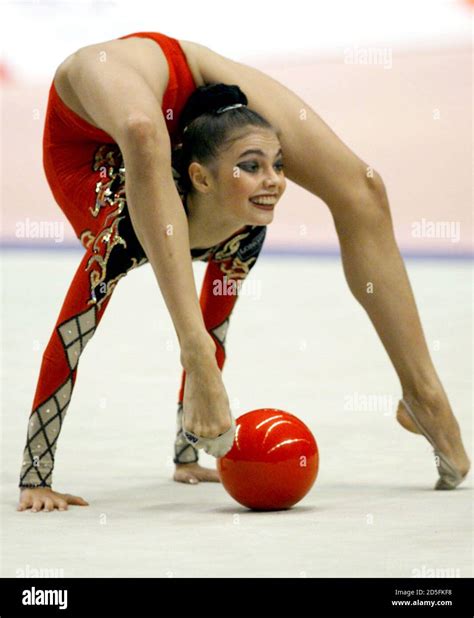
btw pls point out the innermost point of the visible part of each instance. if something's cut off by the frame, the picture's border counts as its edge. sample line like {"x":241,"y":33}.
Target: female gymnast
{"x":138,"y":128}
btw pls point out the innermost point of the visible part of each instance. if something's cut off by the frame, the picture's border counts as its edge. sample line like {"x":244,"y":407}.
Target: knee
{"x":377,"y":190}
{"x":367,"y":202}
{"x":371,"y":193}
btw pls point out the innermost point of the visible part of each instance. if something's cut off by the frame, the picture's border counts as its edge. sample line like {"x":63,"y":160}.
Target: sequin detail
{"x":110,"y":191}
{"x":110,"y":195}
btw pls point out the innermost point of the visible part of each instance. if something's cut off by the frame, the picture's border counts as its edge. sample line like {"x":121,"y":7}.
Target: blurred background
{"x":392,"y":78}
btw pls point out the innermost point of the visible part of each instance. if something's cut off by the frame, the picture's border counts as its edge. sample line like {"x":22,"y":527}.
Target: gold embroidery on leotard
{"x":230,"y":248}
{"x":113,"y":282}
{"x":229,"y":263}
{"x":111,"y":238}
{"x":110,"y":193}
{"x":87,"y":238}
{"x":238,"y":269}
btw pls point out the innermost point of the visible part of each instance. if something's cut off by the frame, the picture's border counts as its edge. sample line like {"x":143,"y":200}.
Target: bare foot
{"x":435,"y":420}
{"x":194,"y":473}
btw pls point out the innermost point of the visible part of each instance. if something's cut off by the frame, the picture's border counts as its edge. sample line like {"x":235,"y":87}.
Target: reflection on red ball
{"x":273,"y":462}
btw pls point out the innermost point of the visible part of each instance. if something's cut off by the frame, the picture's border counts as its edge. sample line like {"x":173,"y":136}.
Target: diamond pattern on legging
{"x":183,"y":451}
{"x":75,"y":333}
{"x":220,"y":332}
{"x":43,"y":431}
{"x":46,"y":421}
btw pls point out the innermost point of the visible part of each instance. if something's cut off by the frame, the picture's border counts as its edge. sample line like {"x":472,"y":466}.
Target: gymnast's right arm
{"x":123,"y":103}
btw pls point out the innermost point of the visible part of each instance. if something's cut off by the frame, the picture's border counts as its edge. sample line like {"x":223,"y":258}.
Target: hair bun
{"x":208,"y":99}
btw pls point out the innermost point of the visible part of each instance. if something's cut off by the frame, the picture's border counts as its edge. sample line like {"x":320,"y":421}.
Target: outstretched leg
{"x":112,"y":251}
{"x":317,"y":160}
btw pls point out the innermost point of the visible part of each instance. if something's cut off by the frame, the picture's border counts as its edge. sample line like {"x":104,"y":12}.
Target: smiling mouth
{"x":264,"y":202}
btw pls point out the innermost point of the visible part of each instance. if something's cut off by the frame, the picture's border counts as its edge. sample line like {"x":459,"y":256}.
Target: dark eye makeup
{"x":251,"y":165}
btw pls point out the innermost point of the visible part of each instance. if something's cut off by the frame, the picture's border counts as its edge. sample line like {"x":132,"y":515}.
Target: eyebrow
{"x":257,"y":151}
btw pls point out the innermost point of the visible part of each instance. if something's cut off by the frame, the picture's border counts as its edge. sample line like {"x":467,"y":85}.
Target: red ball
{"x":273,"y":462}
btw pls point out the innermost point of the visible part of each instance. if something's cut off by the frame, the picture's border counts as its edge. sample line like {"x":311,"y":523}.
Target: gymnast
{"x":161,"y":150}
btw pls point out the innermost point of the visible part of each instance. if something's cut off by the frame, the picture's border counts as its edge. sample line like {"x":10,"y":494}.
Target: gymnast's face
{"x":251,"y":171}
{"x":247,"y":170}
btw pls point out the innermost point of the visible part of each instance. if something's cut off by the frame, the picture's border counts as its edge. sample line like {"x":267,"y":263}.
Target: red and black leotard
{"x":85,"y":171}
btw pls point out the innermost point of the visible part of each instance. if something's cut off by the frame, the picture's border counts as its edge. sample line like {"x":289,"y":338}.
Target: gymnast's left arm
{"x":225,"y":274}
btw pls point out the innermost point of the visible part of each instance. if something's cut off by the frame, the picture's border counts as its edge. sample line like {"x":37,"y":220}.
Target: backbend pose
{"x":140,"y":126}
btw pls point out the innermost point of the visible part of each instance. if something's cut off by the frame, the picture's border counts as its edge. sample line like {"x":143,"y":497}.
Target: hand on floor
{"x":45,"y":499}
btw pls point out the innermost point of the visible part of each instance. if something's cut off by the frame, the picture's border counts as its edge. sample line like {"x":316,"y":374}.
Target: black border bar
{"x":239,"y":597}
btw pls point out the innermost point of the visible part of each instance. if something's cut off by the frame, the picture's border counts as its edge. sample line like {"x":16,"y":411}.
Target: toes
{"x":211,"y":477}
{"x":194,"y":474}
{"x":189,"y":477}
{"x":185,"y":477}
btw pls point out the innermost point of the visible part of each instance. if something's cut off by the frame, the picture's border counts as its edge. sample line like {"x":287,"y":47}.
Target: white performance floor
{"x":298,"y":341}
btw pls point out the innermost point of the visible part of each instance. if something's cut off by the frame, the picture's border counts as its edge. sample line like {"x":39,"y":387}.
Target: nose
{"x":272,"y":179}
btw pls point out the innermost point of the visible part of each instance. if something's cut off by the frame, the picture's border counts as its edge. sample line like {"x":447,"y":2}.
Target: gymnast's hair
{"x":205,"y":129}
